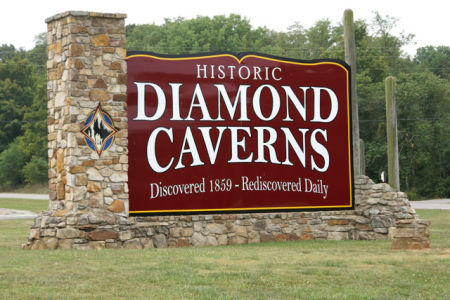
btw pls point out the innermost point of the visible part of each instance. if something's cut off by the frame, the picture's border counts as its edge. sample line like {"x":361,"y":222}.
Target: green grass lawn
{"x":24,"y":204}
{"x":41,"y":188}
{"x":284,"y":270}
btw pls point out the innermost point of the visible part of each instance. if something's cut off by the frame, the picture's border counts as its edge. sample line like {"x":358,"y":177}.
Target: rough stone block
{"x":215,"y":228}
{"x":337,"y":236}
{"x":100,"y":84}
{"x":222,"y":240}
{"x":122,"y":79}
{"x":94,"y":174}
{"x":115,"y":66}
{"x":60,"y":191}
{"x":175,"y":232}
{"x":242,"y":231}
{"x":254,"y":237}
{"x":98,"y":245}
{"x":93,"y":187}
{"x":34,"y":234}
{"x":77,"y":193}
{"x":280,"y":238}
{"x":260,"y":225}
{"x":306,"y":236}
{"x":76,"y":50}
{"x":159,"y":241}
{"x":60,"y":213}
{"x":147,"y":243}
{"x":77,"y":169}
{"x":133,"y":244}
{"x":87,"y":246}
{"x":65,"y":244}
{"x":81,"y":180}
{"x":237,"y":240}
{"x":68,"y":233}
{"x":337,"y":222}
{"x":125,"y":235}
{"x":186,"y":232}
{"x":380,"y":230}
{"x":211,"y":240}
{"x":363,"y":227}
{"x":229,"y":227}
{"x":198,"y":240}
{"x":120,"y":97}
{"x":96,"y":200}
{"x":183,"y":243}
{"x":99,"y":95}
{"x":106,"y":172}
{"x":121,"y":53}
{"x":116,"y":206}
{"x":101,"y":40}
{"x":119,"y":177}
{"x":404,"y":233}
{"x":292,"y":237}
{"x":116,"y":245}
{"x":45,"y":243}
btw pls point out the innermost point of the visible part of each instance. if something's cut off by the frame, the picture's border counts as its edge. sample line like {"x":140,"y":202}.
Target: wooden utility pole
{"x":392,"y":137}
{"x":350,"y":58}
{"x":362,"y":157}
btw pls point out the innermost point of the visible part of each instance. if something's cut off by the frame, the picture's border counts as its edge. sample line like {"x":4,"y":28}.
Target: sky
{"x":21,"y":21}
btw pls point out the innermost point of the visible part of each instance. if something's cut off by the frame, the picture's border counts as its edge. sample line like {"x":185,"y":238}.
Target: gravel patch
{"x":10,"y":214}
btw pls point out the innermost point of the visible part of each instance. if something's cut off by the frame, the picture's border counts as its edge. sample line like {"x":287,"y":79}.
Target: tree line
{"x":422,"y":90}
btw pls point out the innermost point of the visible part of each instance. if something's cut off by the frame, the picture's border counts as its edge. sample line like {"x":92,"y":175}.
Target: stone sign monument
{"x":89,"y":208}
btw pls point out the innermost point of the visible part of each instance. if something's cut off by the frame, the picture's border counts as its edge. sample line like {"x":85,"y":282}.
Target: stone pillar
{"x":86,"y":69}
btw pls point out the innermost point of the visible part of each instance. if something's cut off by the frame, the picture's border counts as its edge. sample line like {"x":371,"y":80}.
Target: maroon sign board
{"x":224,"y":132}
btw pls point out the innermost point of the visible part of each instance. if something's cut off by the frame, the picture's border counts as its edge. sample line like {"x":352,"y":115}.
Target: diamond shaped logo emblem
{"x":99,"y":131}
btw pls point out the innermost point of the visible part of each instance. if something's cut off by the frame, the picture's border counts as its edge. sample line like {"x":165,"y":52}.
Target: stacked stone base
{"x":411,"y":235}
{"x":380,"y":213}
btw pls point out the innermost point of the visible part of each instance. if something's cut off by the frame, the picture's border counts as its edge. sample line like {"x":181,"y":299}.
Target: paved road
{"x":14,"y":216}
{"x":431,"y":204}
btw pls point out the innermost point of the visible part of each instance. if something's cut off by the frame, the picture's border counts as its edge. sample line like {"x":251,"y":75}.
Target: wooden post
{"x":362,"y":157}
{"x":350,"y":58}
{"x":392,"y":138}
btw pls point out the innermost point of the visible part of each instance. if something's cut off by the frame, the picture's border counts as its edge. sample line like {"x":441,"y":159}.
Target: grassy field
{"x":27,"y":189}
{"x":285,"y":270}
{"x":24,"y":204}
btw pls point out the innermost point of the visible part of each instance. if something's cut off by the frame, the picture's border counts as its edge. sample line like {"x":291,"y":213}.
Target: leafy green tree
{"x":434,"y":59}
{"x":17,"y":84}
{"x":36,"y":170}
{"x":12,"y":162}
{"x":38,"y":55}
{"x":23,"y":110}
{"x":201,"y":34}
{"x":389,"y":45}
{"x":9,"y":51}
{"x":424,"y":143}
{"x":129,"y":29}
{"x":321,"y":37}
{"x":33,"y":142}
